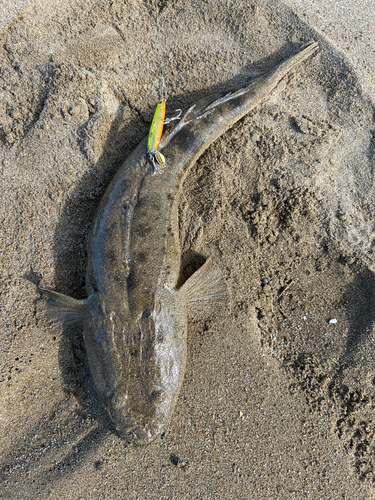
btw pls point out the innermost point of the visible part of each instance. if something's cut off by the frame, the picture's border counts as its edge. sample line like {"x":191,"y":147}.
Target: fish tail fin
{"x":66,"y":309}
{"x":205,"y":284}
{"x":285,"y":67}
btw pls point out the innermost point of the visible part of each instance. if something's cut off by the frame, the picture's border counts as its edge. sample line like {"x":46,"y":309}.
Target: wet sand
{"x":279,"y":393}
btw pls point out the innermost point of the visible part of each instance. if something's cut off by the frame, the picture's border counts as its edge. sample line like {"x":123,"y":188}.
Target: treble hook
{"x":169,"y":120}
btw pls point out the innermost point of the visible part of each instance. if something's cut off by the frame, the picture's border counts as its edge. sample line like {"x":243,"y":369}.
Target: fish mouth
{"x":139,"y":432}
{"x":138,"y":436}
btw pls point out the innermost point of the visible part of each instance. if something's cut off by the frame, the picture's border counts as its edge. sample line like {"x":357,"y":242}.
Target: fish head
{"x":167,"y":369}
{"x":155,"y":377}
{"x":115,"y":360}
{"x":137,"y":363}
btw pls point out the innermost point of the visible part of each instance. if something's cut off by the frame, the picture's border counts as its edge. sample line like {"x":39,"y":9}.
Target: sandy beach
{"x":278,"y":399}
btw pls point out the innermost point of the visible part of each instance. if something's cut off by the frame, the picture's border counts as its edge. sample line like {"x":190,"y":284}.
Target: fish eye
{"x":145,"y":314}
{"x":157,"y":307}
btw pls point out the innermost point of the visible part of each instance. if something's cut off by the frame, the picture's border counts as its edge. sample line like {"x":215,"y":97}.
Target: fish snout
{"x":135,"y":428}
{"x":139,"y":434}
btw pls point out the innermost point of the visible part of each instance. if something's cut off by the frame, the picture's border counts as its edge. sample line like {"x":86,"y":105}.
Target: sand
{"x":279,"y":395}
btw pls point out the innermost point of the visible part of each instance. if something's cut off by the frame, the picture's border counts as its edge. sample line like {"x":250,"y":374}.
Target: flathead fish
{"x":135,"y":318}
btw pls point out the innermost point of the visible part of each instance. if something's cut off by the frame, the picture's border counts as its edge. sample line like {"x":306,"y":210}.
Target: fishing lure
{"x":154,"y":136}
{"x":156,"y":130}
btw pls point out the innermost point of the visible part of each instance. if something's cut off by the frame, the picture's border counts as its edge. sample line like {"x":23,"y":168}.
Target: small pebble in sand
{"x":333,"y":321}
{"x":265,"y":281}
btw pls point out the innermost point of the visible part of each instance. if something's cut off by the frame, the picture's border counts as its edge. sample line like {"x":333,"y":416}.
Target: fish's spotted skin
{"x":134,"y":319}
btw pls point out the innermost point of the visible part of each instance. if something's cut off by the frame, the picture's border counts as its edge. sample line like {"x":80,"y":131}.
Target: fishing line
{"x":153,"y":153}
{"x":163,"y":90}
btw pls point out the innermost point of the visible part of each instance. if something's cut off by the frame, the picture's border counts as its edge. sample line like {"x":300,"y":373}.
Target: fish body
{"x":134,"y":319}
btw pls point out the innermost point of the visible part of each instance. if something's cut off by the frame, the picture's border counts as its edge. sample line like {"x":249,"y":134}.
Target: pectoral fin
{"x":205,"y":284}
{"x":66,"y":309}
